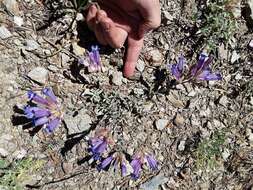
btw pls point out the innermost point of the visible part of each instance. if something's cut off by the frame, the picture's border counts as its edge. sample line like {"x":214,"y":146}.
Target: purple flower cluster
{"x":199,"y":71}
{"x":92,"y":61}
{"x":46,"y":112}
{"x":139,"y":160}
{"x":117,"y":160}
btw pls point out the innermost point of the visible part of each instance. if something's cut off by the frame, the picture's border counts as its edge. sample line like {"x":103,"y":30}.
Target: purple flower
{"x":151,"y":162}
{"x":47,"y":111}
{"x":116,"y":159}
{"x":202,"y":71}
{"x":93,"y":61}
{"x":136,"y":164}
{"x":178,"y":69}
{"x":97,"y":147}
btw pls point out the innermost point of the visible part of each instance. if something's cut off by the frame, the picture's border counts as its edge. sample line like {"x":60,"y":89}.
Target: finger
{"x":151,"y":14}
{"x":99,"y":34}
{"x":91,"y":17}
{"x":100,"y":15}
{"x":132,"y":55}
{"x":114,"y":35}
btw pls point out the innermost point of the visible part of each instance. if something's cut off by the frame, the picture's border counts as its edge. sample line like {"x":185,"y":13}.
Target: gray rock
{"x":20,"y":154}
{"x":79,"y":123}
{"x":223,"y":101}
{"x":117,"y":78}
{"x":11,"y":6}
{"x":179,"y":120}
{"x":235,"y":56}
{"x":18,"y":20}
{"x":181,"y":145}
{"x":140,"y":65}
{"x":31,"y":45}
{"x":250,"y":4}
{"x":4,"y":33}
{"x":155,"y":57}
{"x":154,"y":183}
{"x":251,"y":44}
{"x":161,"y":123}
{"x":3,"y":152}
{"x":39,"y":74}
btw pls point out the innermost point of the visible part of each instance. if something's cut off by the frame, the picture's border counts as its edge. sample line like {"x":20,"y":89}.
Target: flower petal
{"x":175,"y":72}
{"x":52,"y":125}
{"x":50,"y":94}
{"x":151,"y":162}
{"x":207,"y":75}
{"x":136,"y":165}
{"x":196,"y":68}
{"x":37,"y":98}
{"x":123,"y":169}
{"x":106,"y":162}
{"x":40,"y":121}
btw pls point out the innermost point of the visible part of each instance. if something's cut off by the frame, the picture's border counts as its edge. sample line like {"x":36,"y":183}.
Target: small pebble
{"x":39,"y":74}
{"x":4,"y":33}
{"x":161,"y":124}
{"x":117,"y":78}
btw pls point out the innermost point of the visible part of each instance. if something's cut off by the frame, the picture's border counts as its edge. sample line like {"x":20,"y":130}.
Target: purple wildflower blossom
{"x":178,"y":69}
{"x":47,"y":111}
{"x":93,"y":61}
{"x":116,"y":159}
{"x":97,"y":147}
{"x":139,"y":160}
{"x":202,"y":69}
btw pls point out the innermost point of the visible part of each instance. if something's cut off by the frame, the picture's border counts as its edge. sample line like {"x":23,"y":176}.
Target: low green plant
{"x":209,"y":150}
{"x":216,"y":24}
{"x":13,"y":175}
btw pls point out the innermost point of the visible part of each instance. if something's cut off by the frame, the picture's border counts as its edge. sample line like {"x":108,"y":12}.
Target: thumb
{"x":131,"y":57}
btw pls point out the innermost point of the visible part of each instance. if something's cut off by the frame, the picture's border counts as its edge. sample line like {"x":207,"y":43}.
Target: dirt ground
{"x":200,"y":133}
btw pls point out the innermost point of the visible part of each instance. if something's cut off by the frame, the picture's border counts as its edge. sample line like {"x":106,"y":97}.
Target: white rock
{"x":39,"y":74}
{"x":117,"y":78}
{"x":223,"y":52}
{"x":250,"y":3}
{"x":251,"y":44}
{"x":154,"y":183}
{"x":225,"y":154}
{"x":235,"y":56}
{"x":4,"y":33}
{"x":179,"y":120}
{"x":223,"y":101}
{"x":161,"y":123}
{"x":155,"y":57}
{"x":79,"y":17}
{"x":79,"y":123}
{"x":238,"y":76}
{"x":140,"y":65}
{"x":20,"y":154}
{"x":251,"y":100}
{"x":18,"y":20}
{"x":181,"y":145}
{"x":31,"y":45}
{"x":11,"y":6}
{"x":3,"y":152}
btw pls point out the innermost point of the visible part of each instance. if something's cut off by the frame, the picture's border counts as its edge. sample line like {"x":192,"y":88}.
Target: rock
{"x":223,"y":101}
{"x":79,"y":17}
{"x":238,"y":76}
{"x":20,"y":154}
{"x":249,"y":134}
{"x":18,"y":20}
{"x":161,"y":124}
{"x":39,"y":74}
{"x":236,"y":8}
{"x":78,"y":50}
{"x":81,"y":122}
{"x":11,"y":6}
{"x":251,"y":100}
{"x":225,"y":154}
{"x":31,"y":45}
{"x":251,"y":44}
{"x":155,"y":57}
{"x":179,"y":120}
{"x":3,"y":152}
{"x":117,"y":78}
{"x":155,"y":182}
{"x":223,"y":53}
{"x":168,"y":17}
{"x":140,"y":65}
{"x":181,"y":145}
{"x":64,"y":58}
{"x":4,"y":33}
{"x":235,"y":56}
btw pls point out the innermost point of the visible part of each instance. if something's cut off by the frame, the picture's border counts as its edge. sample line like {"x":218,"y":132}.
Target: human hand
{"x":119,"y":20}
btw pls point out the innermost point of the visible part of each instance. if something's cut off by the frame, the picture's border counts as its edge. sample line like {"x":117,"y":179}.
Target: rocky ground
{"x":200,"y":133}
